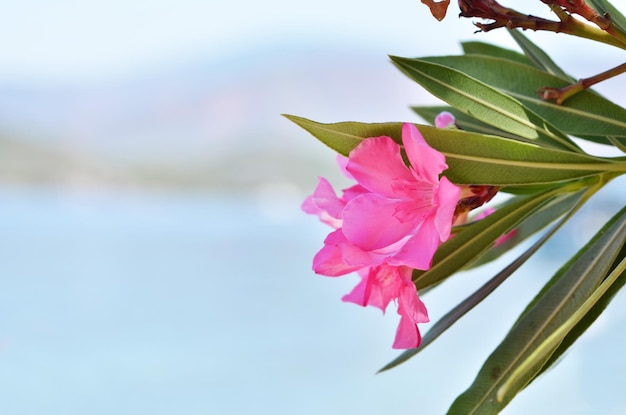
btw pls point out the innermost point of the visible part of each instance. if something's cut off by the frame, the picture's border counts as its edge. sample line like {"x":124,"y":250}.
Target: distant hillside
{"x":199,"y":122}
{"x":46,"y":163}
{"x":54,"y":165}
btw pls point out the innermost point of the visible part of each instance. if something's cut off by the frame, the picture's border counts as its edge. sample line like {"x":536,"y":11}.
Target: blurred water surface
{"x":195,"y":303}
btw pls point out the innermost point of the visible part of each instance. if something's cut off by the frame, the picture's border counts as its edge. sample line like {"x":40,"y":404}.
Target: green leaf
{"x":540,"y":59}
{"x":463,"y":121}
{"x":618,"y":144}
{"x":586,"y":114}
{"x":533,"y":224}
{"x":576,"y":281}
{"x":473,"y":158}
{"x":528,"y":370}
{"x":482,"y":159}
{"x":344,"y":136}
{"x":480,"y":48}
{"x":482,"y":101}
{"x":477,"y":238}
{"x":590,"y":317}
{"x":574,"y":202}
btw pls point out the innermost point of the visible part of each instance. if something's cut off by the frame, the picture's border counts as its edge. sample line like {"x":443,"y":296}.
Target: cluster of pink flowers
{"x":391,"y":222}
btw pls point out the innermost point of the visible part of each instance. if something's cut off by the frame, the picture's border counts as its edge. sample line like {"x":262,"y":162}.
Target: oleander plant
{"x":420,"y":210}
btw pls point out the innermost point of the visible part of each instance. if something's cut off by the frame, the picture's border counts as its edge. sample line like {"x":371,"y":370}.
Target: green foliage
{"x":538,"y":57}
{"x":483,"y":102}
{"x":566,"y":293}
{"x":571,"y":203}
{"x":586,"y":114}
{"x":474,"y":158}
{"x":511,"y":138}
{"x":480,"y":48}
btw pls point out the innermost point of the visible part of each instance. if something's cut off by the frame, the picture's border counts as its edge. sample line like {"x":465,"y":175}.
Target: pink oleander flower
{"x":379,"y":286}
{"x":391,"y":221}
{"x":405,"y":211}
{"x":445,"y":120}
{"x":396,"y":213}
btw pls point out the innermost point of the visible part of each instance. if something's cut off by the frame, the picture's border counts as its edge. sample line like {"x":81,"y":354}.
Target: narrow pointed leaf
{"x":590,"y":317}
{"x":482,"y":159}
{"x":480,"y":48}
{"x":470,"y":302}
{"x":534,"y":364}
{"x":477,"y":238}
{"x":538,"y":56}
{"x":533,"y":224}
{"x":473,"y":158}
{"x":482,"y":101}
{"x":344,"y":136}
{"x":463,"y":121}
{"x":576,"y":281}
{"x":618,"y":144}
{"x":586,"y":114}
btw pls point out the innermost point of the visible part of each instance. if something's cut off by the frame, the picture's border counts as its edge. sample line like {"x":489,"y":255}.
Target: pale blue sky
{"x":74,"y":40}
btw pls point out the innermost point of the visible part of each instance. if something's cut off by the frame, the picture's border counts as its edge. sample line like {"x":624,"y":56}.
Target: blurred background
{"x":153,"y":257}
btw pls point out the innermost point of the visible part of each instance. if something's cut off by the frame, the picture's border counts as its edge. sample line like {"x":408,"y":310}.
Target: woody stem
{"x":561,"y":94}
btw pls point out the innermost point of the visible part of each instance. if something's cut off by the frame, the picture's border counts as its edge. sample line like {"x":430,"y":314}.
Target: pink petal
{"x":448,"y":195}
{"x":411,"y":305}
{"x":376,"y":163}
{"x":407,"y":335}
{"x":427,"y":162}
{"x":342,"y":162}
{"x":361,"y":293}
{"x":370,"y":222}
{"x":486,"y":212}
{"x":412,"y":312}
{"x":444,"y":120}
{"x":325,"y":204}
{"x":329,"y":260}
{"x":386,"y":284}
{"x":339,"y":256}
{"x":505,"y":238}
{"x":357,"y":257}
{"x":352,"y":192}
{"x":419,"y":250}
{"x":379,"y":286}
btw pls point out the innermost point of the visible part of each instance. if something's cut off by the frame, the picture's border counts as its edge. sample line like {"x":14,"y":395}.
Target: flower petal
{"x":412,"y":311}
{"x":448,"y":195}
{"x":407,"y":335}
{"x":486,"y":212}
{"x":370,"y":222}
{"x":444,"y":120}
{"x":386,"y":285}
{"x":342,"y":162}
{"x":329,"y":260}
{"x":419,"y":250}
{"x":352,"y":192}
{"x":427,"y":162}
{"x":325,"y":204}
{"x":339,"y":256}
{"x":360,"y":294}
{"x":376,"y":164}
{"x":411,"y":305}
